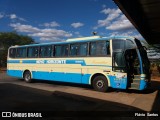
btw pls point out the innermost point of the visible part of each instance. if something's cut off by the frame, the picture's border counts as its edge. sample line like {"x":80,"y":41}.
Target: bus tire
{"x":27,"y":77}
{"x":100,"y":83}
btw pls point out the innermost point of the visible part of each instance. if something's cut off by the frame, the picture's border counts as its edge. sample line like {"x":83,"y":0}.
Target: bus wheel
{"x":100,"y":84}
{"x":27,"y":77}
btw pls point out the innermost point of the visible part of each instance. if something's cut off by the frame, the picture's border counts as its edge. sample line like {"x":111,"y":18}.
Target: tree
{"x":8,"y":39}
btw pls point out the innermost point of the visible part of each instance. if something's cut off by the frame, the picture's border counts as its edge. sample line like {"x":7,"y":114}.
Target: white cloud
{"x":112,"y":14}
{"x":77,"y":34}
{"x":103,"y":6}
{"x":115,"y":20}
{"x":121,"y":33}
{"x":122,"y":23}
{"x":43,"y":34}
{"x":22,"y":19}
{"x":48,"y":39}
{"x":77,"y":25}
{"x":51,"y":24}
{"x":102,"y":23}
{"x":111,"y":11}
{"x":51,"y":33}
{"x":1,"y":15}
{"x":14,"y":16}
{"x":24,"y":28}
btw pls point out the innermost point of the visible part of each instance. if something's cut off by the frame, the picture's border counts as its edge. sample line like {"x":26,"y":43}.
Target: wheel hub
{"x":100,"y":83}
{"x":27,"y":77}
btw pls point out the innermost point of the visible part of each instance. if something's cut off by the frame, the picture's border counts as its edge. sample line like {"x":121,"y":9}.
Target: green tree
{"x":8,"y":39}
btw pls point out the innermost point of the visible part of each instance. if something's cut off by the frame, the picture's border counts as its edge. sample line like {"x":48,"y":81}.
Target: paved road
{"x":40,"y":95}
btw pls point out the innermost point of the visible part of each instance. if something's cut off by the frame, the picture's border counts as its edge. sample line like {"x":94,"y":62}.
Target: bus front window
{"x":118,"y":62}
{"x":132,"y":62}
{"x":125,"y":58}
{"x":118,"y":55}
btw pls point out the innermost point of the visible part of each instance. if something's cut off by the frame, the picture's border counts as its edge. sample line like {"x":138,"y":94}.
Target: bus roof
{"x":82,"y":39}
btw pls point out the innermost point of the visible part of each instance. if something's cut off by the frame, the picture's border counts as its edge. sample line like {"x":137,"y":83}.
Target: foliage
{"x":8,"y":39}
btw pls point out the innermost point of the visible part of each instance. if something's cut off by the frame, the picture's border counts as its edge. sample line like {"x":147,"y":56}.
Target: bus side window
{"x":93,"y":48}
{"x":98,"y":48}
{"x":58,"y":50}
{"x":83,"y":49}
{"x":61,"y":50}
{"x":12,"y":52}
{"x":108,"y":48}
{"x":74,"y":50}
{"x":33,"y":52}
{"x":53,"y":51}
{"x":45,"y":51}
{"x":64,"y":50}
{"x":21,"y":53}
{"x":101,"y":48}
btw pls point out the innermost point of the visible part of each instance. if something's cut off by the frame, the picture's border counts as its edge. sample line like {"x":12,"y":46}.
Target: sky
{"x":58,"y":20}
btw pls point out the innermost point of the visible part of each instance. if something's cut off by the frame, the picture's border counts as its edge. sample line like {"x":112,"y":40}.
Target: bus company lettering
{"x":56,"y":61}
{"x":40,"y":61}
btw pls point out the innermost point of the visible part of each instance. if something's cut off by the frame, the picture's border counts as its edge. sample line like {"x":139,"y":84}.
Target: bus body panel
{"x":72,"y":69}
{"x":71,"y":72}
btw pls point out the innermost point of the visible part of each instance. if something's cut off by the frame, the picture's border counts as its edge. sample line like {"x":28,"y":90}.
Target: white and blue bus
{"x":103,"y":62}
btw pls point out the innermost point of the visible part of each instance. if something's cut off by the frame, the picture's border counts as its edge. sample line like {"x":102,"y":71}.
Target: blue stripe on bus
{"x":54,"y":76}
{"x":143,"y":84}
{"x":140,"y":60}
{"x":13,"y":61}
{"x":120,"y":83}
{"x":21,"y":61}
{"x":74,"y":78}
{"x":67,"y":77}
{"x":82,"y":62}
{"x":15,"y":73}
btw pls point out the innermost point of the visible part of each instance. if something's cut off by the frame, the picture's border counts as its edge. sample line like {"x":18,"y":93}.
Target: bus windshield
{"x":119,"y":58}
{"x":145,"y":60}
{"x":123,"y":51}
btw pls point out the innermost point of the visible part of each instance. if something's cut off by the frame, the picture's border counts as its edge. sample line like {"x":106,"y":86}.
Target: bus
{"x":102,"y":62}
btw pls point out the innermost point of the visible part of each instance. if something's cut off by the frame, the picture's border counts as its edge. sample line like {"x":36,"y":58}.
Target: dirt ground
{"x":61,"y":101}
{"x":155,"y":75}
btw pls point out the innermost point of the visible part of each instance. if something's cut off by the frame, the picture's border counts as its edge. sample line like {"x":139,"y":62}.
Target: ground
{"x":64,"y":100}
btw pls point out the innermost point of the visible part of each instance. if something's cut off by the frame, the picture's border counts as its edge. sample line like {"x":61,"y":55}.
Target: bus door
{"x":133,"y":68}
{"x":119,"y":68}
